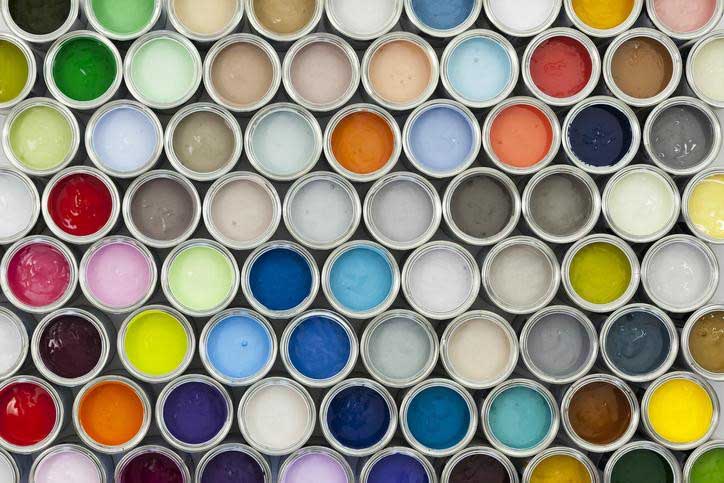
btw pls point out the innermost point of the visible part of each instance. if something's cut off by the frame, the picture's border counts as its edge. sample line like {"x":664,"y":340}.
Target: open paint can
{"x":397,"y":462}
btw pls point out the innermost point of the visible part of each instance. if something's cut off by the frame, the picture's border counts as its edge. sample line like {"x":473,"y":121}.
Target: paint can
{"x":238,"y":347}
{"x":399,"y":348}
{"x":20,"y":79}
{"x":680,"y":411}
{"x":319,"y":348}
{"x":637,"y":52}
{"x":699,"y":462}
{"x":155,"y":344}
{"x":397,"y":462}
{"x":161,"y":208}
{"x":600,"y":273}
{"x":363,"y":22}
{"x":65,"y":460}
{"x":521,"y":275}
{"x":322,"y":210}
{"x":603,"y":20}
{"x":441,"y":138}
{"x":479,"y":349}
{"x":292,"y":156}
{"x":276,"y":416}
{"x":242,"y":210}
{"x":704,"y":57}
{"x":561,"y":204}
{"x":398,"y":56}
{"x":44,"y":123}
{"x":402,"y":210}
{"x":521,"y":135}
{"x":639,"y":343}
{"x":522,"y":19}
{"x":118,"y":274}
{"x":272,"y":265}
{"x":243,"y":460}
{"x":438,"y":417}
{"x":200,"y":277}
{"x":70,"y":346}
{"x":680,"y":273}
{"x":124,"y":139}
{"x":81,"y":205}
{"x":203,"y":141}
{"x":701,"y":205}
{"x":559,"y":344}
{"x":315,"y":462}
{"x":600,"y":413}
{"x":15,"y":343}
{"x":477,"y":462}
{"x":162,"y":69}
{"x":40,"y":29}
{"x":699,"y":348}
{"x":194,"y":413}
{"x":578,"y":66}
{"x":361,"y":279}
{"x":641,"y":203}
{"x":481,"y":191}
{"x":642,"y":457}
{"x":207,"y":23}
{"x":154,"y":460}
{"x":440,"y":280}
{"x":687,"y":23}
{"x":33,"y":414}
{"x":353,"y":432}
{"x":601,"y":135}
{"x":83,"y":70}
{"x":122,"y":24}
{"x":20,"y":206}
{"x":246,"y":57}
{"x":520,"y":417}
{"x":559,"y":460}
{"x":284,"y":22}
{"x":479,"y":68}
{"x":321,"y":72}
{"x":362,"y":142}
{"x":682,"y":136}
{"x":112,"y":414}
{"x":443,"y":21}
{"x":38,"y":274}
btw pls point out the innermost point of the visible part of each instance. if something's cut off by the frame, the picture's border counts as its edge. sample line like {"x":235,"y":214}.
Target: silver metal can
{"x":474,"y":451}
{"x":619,"y":106}
{"x":633,"y":410}
{"x":143,"y":450}
{"x":698,"y":453}
{"x":686,"y":335}
{"x":488,"y":429}
{"x":42,"y":39}
{"x":56,"y":245}
{"x":662,"y":452}
{"x":112,"y":193}
{"x":515,"y":32}
{"x":173,"y":156}
{"x":95,"y":23}
{"x":311,"y":451}
{"x":420,"y":25}
{"x":421,"y":447}
{"x":24,"y":341}
{"x":337,"y":22}
{"x":490,"y":36}
{"x":102,"y":473}
{"x":579,"y":176}
{"x":698,"y":229}
{"x":398,"y":450}
{"x":670,"y":329}
{"x":236,"y":448}
{"x":684,"y":36}
{"x":656,"y":36}
{"x":637,"y":6}
{"x":105,"y":330}
{"x":295,"y":372}
{"x":458,"y":324}
{"x":34,"y":196}
{"x":372,"y":50}
{"x":561,"y":451}
{"x":329,"y":435}
{"x":49,"y":63}
{"x":695,"y":51}
{"x":175,"y":441}
{"x":576,"y":35}
{"x":283,"y":38}
{"x":88,"y":440}
{"x":205,"y":38}
{"x":8,"y":461}
{"x":42,"y":102}
{"x":339,"y":305}
{"x":32,"y":69}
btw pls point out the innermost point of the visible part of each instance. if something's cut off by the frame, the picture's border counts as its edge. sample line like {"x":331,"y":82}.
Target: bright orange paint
{"x":521,"y":136}
{"x":362,"y":142}
{"x":111,"y":413}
